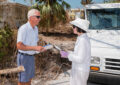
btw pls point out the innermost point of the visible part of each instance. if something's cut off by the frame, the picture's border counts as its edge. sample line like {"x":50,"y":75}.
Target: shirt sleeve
{"x":21,"y":34}
{"x":80,"y":54}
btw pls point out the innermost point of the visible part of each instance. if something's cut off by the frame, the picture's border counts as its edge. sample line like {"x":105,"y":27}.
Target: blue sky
{"x":76,"y":3}
{"x":73,"y":3}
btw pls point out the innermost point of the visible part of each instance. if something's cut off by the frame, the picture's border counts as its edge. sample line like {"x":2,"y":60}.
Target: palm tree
{"x":52,"y":12}
{"x":84,"y":2}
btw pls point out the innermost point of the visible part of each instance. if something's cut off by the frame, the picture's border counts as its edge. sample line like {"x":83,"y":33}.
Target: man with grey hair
{"x":27,"y":46}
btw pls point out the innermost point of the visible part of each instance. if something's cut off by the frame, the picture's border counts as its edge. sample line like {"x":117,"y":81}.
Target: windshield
{"x":108,"y":19}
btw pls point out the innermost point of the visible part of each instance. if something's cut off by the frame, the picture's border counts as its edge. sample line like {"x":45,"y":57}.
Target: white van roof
{"x":103,"y":6}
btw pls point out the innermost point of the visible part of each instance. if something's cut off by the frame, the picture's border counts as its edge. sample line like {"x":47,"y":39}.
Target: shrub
{"x":6,"y":40}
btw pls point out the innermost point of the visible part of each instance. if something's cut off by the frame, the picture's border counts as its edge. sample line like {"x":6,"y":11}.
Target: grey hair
{"x":32,"y":12}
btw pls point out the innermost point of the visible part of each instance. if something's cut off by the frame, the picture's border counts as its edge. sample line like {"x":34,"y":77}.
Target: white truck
{"x":104,"y":33}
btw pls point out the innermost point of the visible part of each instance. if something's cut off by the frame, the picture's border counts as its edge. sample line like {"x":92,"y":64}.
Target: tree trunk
{"x":12,"y":70}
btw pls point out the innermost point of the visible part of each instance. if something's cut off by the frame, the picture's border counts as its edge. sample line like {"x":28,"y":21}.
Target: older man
{"x":27,"y":46}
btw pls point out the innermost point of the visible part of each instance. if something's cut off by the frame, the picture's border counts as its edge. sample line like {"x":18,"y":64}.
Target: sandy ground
{"x":62,"y":79}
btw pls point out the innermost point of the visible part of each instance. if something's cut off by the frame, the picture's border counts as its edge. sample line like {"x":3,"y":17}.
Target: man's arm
{"x":21,"y":46}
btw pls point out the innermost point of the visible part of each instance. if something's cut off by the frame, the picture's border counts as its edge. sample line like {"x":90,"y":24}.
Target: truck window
{"x":108,"y":19}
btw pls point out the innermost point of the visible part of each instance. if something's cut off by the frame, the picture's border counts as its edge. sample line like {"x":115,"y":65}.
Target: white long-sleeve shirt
{"x":81,"y":55}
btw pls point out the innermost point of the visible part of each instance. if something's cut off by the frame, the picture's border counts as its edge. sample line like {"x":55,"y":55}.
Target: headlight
{"x":95,"y":60}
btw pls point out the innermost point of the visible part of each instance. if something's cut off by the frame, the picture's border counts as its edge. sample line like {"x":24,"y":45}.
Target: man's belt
{"x":26,"y":54}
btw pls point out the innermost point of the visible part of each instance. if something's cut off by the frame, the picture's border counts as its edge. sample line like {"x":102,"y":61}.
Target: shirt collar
{"x":30,"y":27}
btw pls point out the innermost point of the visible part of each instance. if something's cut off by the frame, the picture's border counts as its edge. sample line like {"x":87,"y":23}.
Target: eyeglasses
{"x":74,"y":26}
{"x":38,"y":17}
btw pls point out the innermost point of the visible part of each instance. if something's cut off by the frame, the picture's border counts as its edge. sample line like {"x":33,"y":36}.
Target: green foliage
{"x":84,"y":2}
{"x":52,"y":12}
{"x":6,"y":38}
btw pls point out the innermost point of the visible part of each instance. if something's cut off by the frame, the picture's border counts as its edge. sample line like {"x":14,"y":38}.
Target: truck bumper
{"x":104,"y":78}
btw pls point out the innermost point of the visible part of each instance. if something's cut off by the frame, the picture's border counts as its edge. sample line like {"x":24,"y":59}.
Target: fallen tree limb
{"x":12,"y":70}
{"x":59,"y":70}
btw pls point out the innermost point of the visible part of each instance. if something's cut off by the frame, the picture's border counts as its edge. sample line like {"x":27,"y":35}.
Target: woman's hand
{"x":64,"y":54}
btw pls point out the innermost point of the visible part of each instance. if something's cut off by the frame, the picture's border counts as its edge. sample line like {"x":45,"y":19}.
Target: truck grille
{"x":113,"y":64}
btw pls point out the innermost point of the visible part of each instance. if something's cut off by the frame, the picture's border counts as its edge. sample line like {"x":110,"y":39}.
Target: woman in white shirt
{"x":80,"y":57}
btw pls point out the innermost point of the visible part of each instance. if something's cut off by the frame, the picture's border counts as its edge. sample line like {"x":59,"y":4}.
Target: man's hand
{"x":21,"y":46}
{"x":40,"y":48}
